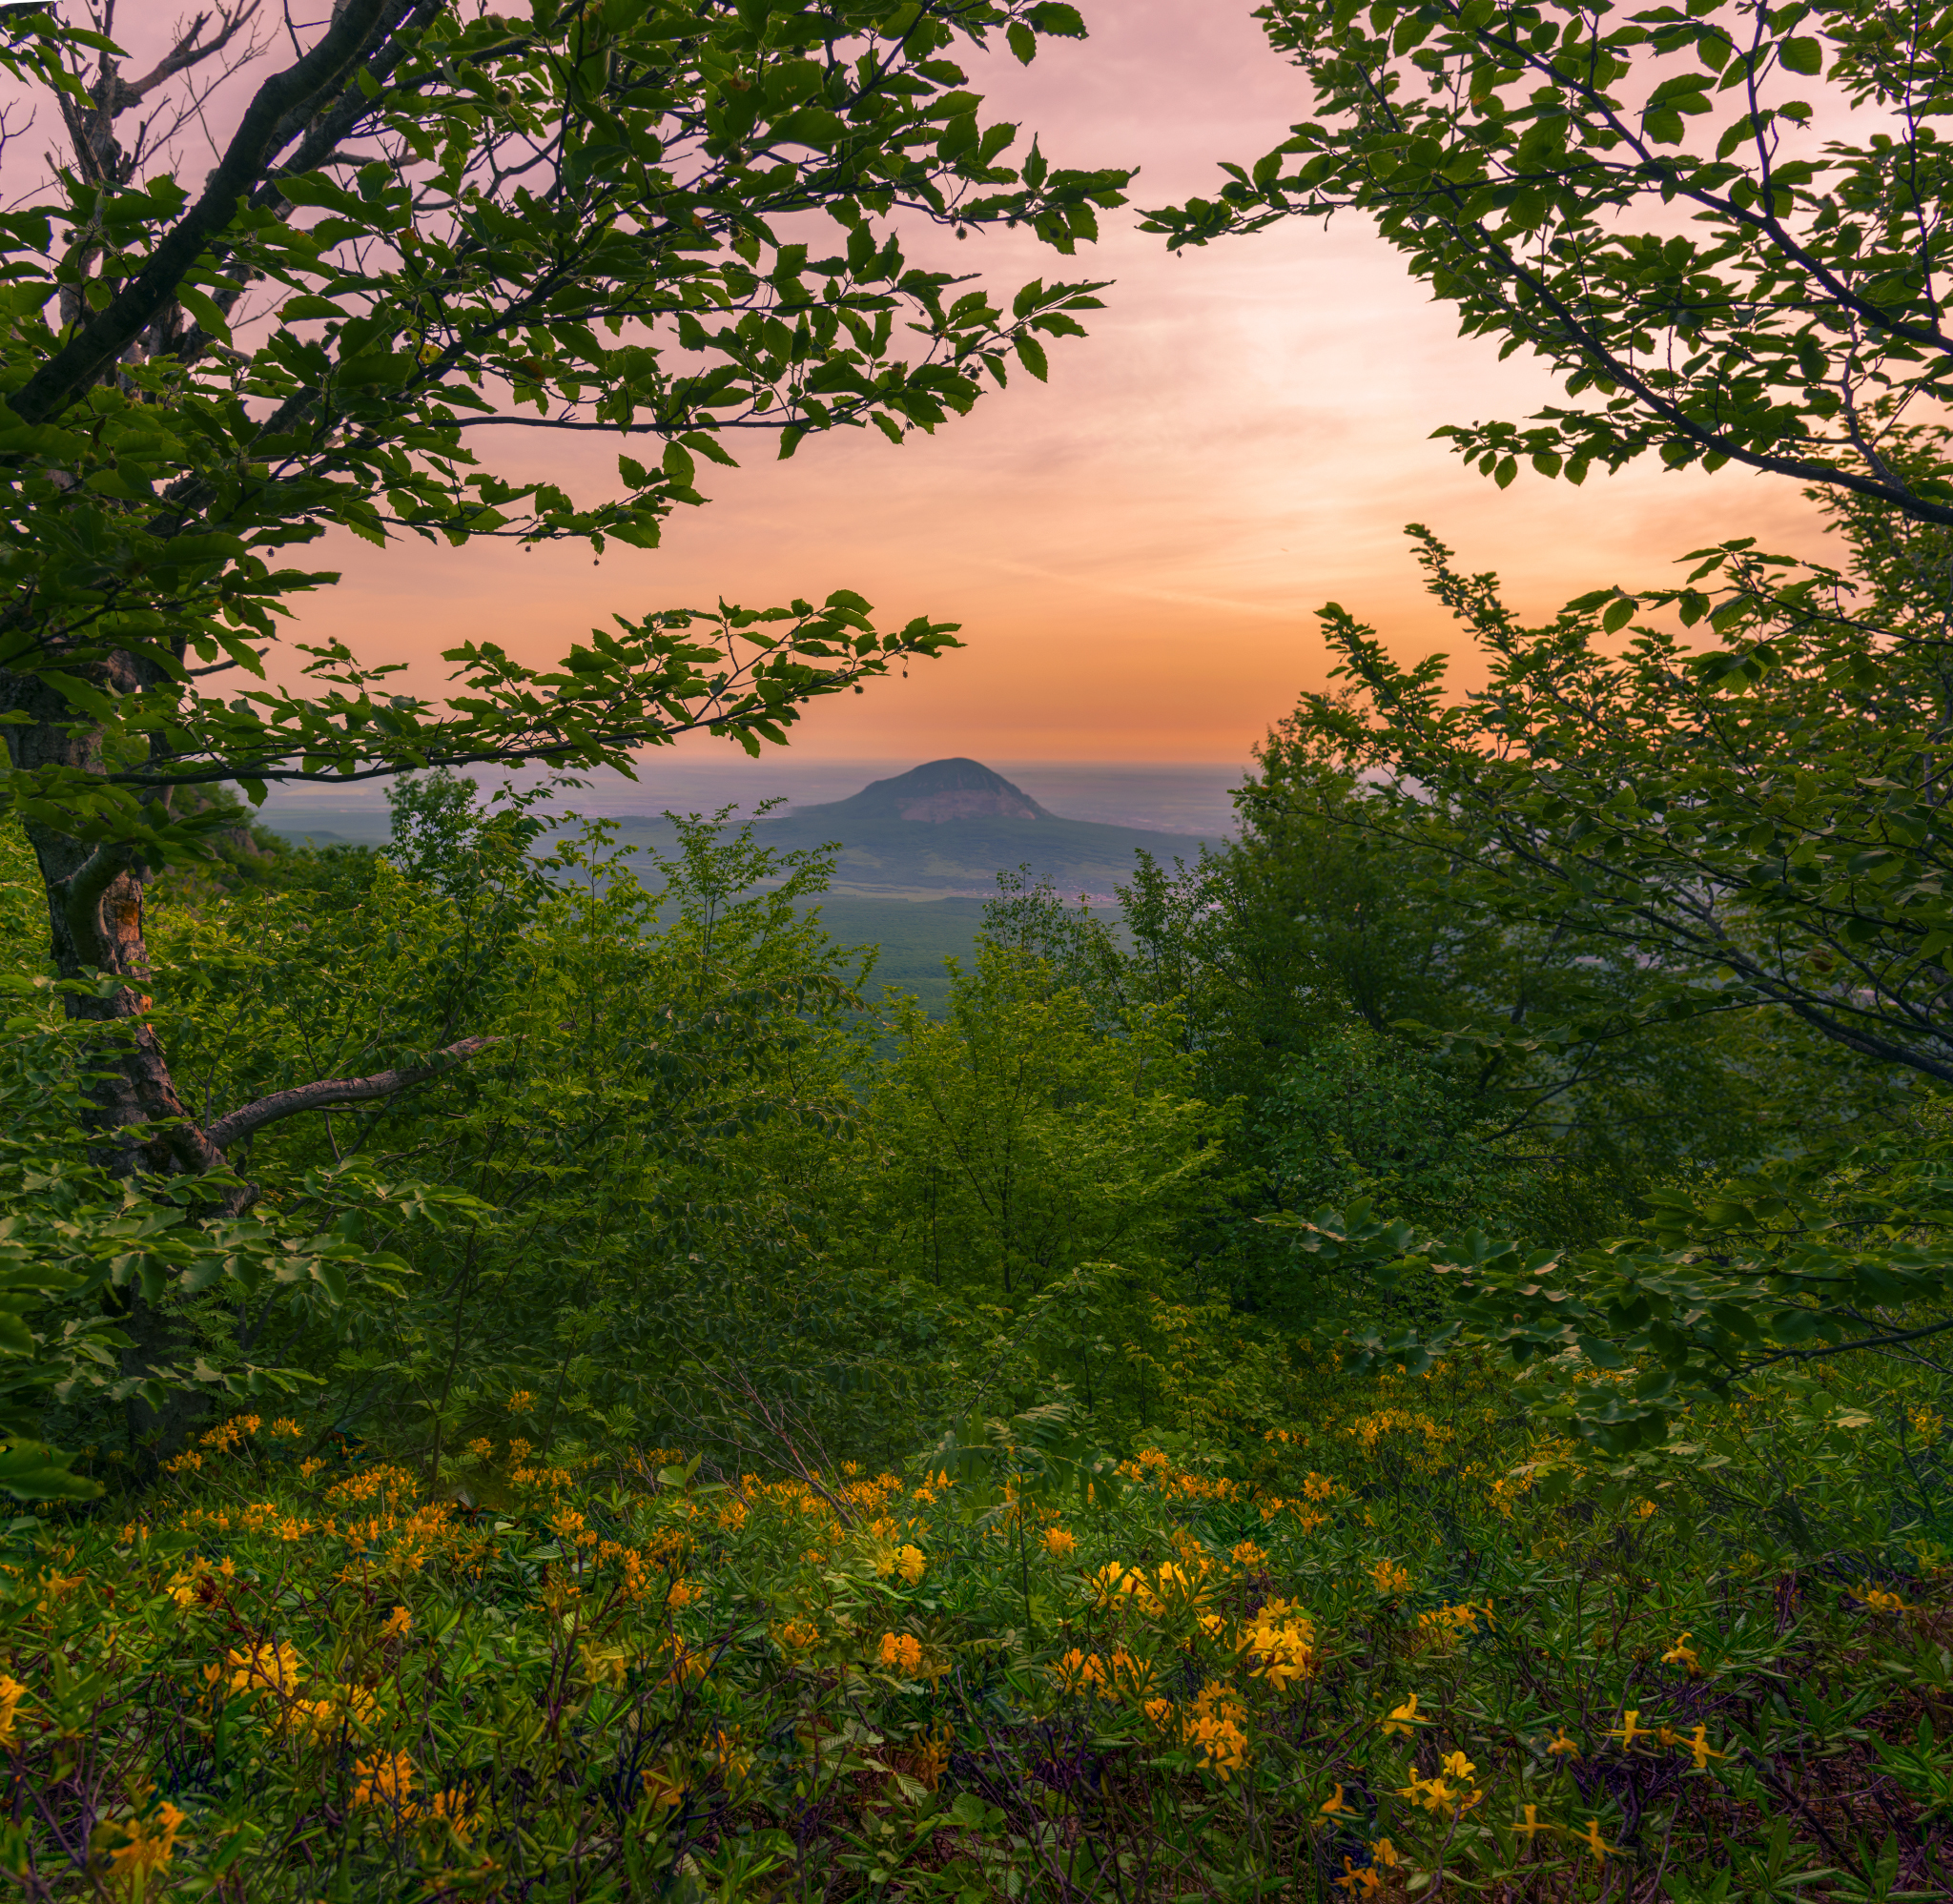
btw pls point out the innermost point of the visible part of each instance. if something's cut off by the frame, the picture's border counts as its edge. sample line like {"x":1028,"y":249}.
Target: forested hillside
{"x":1408,"y":1363}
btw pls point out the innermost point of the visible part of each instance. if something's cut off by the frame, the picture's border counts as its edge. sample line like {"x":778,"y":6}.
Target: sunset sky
{"x":1135,"y":550}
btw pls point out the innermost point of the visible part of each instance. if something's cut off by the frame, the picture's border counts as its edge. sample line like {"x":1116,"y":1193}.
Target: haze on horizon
{"x":1135,"y":549}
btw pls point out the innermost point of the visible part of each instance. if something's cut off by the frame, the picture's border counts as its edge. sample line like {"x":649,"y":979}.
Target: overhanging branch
{"x":330,"y":1091}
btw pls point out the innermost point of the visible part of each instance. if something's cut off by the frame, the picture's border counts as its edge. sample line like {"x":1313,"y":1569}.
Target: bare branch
{"x":191,"y":50}
{"x":282,"y":1104}
{"x":74,"y":368}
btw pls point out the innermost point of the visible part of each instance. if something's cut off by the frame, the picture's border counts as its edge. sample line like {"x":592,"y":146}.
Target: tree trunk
{"x":95,"y":925}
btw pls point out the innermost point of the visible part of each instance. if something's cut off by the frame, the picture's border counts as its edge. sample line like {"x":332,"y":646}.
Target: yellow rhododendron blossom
{"x":11,"y":1693}
{"x":126,"y":1851}
{"x":1402,"y":1719}
{"x":1591,"y":1838}
{"x":1699,"y":1745}
{"x":1216,"y":1730}
{"x":1563,"y":1747}
{"x":399,"y":1624}
{"x":910,"y":1564}
{"x":271,"y":1666}
{"x":456,"y":1810}
{"x":1059,"y":1543}
{"x":662,"y":1790}
{"x":386,"y":1779}
{"x":1684,"y":1655}
{"x":1389,"y":1579}
{"x":901,"y":1652}
{"x":1280,"y":1645}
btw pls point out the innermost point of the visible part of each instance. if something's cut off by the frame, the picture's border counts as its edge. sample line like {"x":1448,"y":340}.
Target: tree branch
{"x":101,"y":341}
{"x":281,"y":1104}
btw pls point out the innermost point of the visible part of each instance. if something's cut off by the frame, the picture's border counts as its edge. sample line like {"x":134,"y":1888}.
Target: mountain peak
{"x":939,"y":790}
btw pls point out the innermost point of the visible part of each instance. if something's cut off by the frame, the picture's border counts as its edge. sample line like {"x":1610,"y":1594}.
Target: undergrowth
{"x":1404,"y":1651}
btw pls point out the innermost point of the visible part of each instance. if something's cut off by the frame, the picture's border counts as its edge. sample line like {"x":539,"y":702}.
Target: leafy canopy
{"x":662,"y":223}
{"x":1645,"y":198}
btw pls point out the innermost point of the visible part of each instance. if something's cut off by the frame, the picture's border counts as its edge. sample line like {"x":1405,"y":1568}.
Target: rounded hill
{"x":936,"y":792}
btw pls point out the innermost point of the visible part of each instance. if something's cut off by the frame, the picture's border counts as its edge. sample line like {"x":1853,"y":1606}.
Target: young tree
{"x":1750,"y":800}
{"x":601,"y":217}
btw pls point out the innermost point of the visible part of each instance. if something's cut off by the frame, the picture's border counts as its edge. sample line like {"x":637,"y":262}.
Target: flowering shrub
{"x":1366,"y":1658}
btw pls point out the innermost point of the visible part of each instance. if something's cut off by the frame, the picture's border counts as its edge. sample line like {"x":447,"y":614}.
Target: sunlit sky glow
{"x":1134,"y":551}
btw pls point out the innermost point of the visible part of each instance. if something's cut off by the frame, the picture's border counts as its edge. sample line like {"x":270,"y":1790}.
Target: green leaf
{"x":203,"y":307}
{"x":1805,"y":56}
{"x":33,"y":1471}
{"x":1061,"y":21}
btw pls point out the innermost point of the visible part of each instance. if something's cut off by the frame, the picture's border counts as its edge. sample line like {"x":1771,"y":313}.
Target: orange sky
{"x":1136,"y":548}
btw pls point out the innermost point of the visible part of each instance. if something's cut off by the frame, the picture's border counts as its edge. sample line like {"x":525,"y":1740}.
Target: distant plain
{"x":920,"y":905}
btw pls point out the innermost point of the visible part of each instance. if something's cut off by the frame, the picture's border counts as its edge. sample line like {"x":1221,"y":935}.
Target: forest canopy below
{"x":1411,"y":1360}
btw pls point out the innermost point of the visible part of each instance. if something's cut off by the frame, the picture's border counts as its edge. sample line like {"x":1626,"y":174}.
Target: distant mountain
{"x":951,"y":826}
{"x":938,"y":792}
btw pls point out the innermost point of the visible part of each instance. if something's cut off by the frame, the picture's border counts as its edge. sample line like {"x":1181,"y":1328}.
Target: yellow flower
{"x":1218,"y":1741}
{"x":397,"y":1625}
{"x":798,"y":1635}
{"x":456,"y":1810}
{"x":386,"y":1779}
{"x":11,"y":1693}
{"x":1354,"y":1881}
{"x":1403,"y":1719}
{"x":1630,"y":1728}
{"x":1882,"y":1602}
{"x":1591,"y":1839}
{"x":1282,"y":1643}
{"x":1563,"y":1747}
{"x":1248,"y":1555}
{"x":1432,"y":1794}
{"x":1683,"y":1654}
{"x":522,"y":1401}
{"x":901,"y":1652}
{"x":271,"y":1666}
{"x":1159,"y":1711}
{"x":1333,"y":1806}
{"x":662,"y":1789}
{"x":1699,"y":1745}
{"x":127,"y":1850}
{"x":1389,"y":1579}
{"x":910,"y":1564}
{"x":1059,"y":1544}
{"x":1457,"y":1766}
{"x":1528,"y":1825}
{"x":286,"y":1429}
